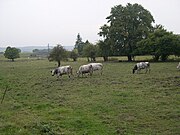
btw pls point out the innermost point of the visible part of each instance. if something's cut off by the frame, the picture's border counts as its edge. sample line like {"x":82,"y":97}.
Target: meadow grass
{"x":117,"y":102}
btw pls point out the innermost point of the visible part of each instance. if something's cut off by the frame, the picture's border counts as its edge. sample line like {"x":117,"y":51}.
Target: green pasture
{"x":115,"y":103}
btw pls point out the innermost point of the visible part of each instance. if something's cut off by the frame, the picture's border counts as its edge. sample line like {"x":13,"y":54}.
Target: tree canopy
{"x":160,"y":43}
{"x":58,"y":53}
{"x":12,"y":53}
{"x":127,"y":26}
{"x":90,"y":51}
{"x":104,"y":49}
{"x":74,"y":54}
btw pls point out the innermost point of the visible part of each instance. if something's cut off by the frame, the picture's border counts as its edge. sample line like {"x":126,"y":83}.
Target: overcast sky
{"x":39,"y":22}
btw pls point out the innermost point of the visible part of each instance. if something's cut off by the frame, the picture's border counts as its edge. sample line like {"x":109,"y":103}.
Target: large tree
{"x":160,"y":43}
{"x":58,"y":54}
{"x":127,"y":26}
{"x":12,"y":53}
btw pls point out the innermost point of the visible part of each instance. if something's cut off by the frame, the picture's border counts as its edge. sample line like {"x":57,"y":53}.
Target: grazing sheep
{"x":141,"y":65}
{"x":62,"y":70}
{"x":85,"y":69}
{"x":97,"y":67}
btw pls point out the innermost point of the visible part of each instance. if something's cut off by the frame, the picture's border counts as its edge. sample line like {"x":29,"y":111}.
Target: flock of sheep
{"x":91,"y":67}
{"x":84,"y":69}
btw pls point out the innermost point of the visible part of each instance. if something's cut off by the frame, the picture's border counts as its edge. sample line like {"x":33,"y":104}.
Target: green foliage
{"x":104,"y":49}
{"x":176,"y":43}
{"x":128,"y":25}
{"x":104,"y":31}
{"x":12,"y":53}
{"x":160,"y":44}
{"x":79,"y":45}
{"x":74,"y":54}
{"x":90,"y":51}
{"x":40,"y":52}
{"x":58,"y":54}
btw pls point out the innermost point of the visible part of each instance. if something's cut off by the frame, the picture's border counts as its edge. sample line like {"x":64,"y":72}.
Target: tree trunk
{"x":105,"y":58}
{"x":12,"y":60}
{"x":88,"y":59}
{"x":156,"y":57}
{"x":164,"y":57}
{"x":74,"y":59}
{"x":129,"y":58}
{"x":59,"y":63}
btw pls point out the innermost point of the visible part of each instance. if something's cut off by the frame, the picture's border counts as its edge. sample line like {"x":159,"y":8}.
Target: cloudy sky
{"x":39,"y":22}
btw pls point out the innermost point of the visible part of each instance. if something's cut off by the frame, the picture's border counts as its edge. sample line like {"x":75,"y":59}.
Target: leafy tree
{"x":40,"y":52}
{"x":104,"y":49}
{"x":79,"y":44}
{"x":160,"y":44}
{"x":35,"y":50}
{"x":74,"y":54}
{"x":58,"y":54}
{"x":90,"y":51}
{"x":177,"y":45}
{"x":127,"y":26}
{"x":12,"y":53}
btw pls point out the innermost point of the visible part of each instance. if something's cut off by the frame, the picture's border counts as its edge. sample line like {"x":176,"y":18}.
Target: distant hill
{"x":31,"y":48}
{"x":2,"y":49}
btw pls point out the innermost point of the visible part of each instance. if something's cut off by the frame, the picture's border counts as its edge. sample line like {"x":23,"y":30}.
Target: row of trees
{"x":160,"y":44}
{"x":86,"y":49}
{"x":128,"y":32}
{"x":58,"y":53}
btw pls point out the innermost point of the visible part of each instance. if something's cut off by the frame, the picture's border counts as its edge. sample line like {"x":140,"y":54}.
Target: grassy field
{"x":118,"y":102}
